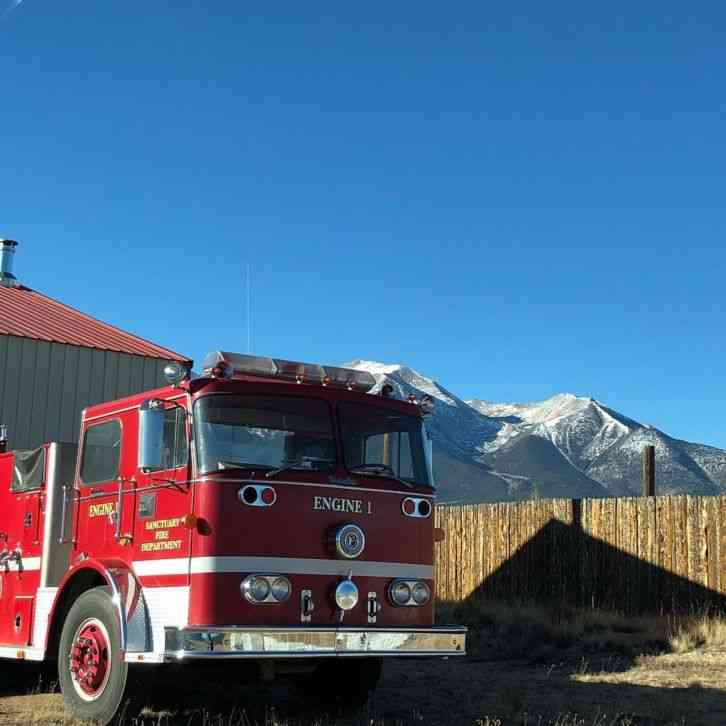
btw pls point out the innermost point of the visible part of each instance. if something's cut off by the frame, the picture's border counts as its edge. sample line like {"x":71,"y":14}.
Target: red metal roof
{"x":28,"y":314}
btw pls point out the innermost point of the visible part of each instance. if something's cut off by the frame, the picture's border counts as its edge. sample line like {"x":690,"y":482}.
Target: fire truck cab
{"x":267,"y":510}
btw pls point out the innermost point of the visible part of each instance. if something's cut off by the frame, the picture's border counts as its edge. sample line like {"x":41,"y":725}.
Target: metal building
{"x":55,"y":361}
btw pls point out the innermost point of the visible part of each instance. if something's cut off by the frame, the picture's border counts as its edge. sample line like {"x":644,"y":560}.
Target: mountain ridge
{"x":565,"y":446}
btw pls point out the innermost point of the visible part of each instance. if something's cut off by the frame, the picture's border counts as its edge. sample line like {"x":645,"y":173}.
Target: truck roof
{"x":247,"y":384}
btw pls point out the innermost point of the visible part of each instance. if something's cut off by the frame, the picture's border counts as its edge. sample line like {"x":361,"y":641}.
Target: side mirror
{"x":427,"y":404}
{"x":429,"y":449}
{"x":151,"y":435}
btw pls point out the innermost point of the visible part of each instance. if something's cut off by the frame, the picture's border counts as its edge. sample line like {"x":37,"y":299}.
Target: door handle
{"x":123,"y":539}
{"x":119,"y":507}
{"x":6,"y":557}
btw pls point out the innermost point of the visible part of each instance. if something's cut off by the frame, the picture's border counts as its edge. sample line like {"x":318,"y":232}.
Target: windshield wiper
{"x":379,"y":470}
{"x":170,"y":483}
{"x":223,"y":465}
{"x":303,"y":463}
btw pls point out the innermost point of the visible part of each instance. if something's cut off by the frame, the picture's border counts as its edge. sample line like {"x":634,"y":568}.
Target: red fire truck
{"x":267,"y":511}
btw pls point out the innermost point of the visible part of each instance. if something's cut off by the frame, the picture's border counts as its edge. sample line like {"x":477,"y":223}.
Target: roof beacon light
{"x":175,"y":373}
{"x":237,"y":364}
{"x":387,"y":390}
{"x":298,"y":372}
{"x":427,"y":404}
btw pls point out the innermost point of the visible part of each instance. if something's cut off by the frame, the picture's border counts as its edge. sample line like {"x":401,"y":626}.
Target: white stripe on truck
{"x":282,"y":565}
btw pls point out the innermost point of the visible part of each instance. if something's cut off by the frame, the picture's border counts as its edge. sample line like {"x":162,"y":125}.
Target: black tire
{"x":122,"y":691}
{"x":342,"y":683}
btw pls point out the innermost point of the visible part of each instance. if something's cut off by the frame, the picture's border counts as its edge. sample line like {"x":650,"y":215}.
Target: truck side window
{"x":176,"y":446}
{"x":392,"y":449}
{"x":101,"y":452}
{"x":405,"y":462}
{"x":28,"y":470}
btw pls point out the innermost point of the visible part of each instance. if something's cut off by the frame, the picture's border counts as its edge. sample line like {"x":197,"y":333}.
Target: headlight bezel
{"x":403,"y":598}
{"x":248,"y":583}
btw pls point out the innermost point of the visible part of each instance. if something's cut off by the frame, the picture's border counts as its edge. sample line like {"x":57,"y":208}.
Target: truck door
{"x":162,"y":540}
{"x":106,"y":487}
{"x":20,"y":543}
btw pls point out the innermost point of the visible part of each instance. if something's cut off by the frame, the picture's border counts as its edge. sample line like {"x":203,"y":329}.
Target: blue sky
{"x":516,"y":203}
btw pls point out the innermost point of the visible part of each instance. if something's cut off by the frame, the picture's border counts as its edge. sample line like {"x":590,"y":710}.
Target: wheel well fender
{"x":127,"y":597}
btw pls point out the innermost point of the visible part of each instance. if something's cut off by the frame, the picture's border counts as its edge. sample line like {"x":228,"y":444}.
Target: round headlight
{"x":346,"y":595}
{"x":349,"y":541}
{"x":400,"y":593}
{"x":256,"y":589}
{"x":281,"y":589}
{"x":420,"y":593}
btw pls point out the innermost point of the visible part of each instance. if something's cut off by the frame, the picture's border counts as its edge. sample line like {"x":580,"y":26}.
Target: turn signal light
{"x":416,"y":507}
{"x":190,"y":521}
{"x":257,"y":496}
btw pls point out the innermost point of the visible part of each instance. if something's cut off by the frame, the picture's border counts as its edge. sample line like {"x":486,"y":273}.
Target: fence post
{"x":649,"y":471}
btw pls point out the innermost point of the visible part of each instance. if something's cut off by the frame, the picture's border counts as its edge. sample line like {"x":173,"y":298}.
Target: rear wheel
{"x":343,"y":683}
{"x":96,"y":682}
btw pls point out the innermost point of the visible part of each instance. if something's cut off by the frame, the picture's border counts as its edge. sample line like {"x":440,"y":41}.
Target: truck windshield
{"x":383,"y":442}
{"x":269,"y":432}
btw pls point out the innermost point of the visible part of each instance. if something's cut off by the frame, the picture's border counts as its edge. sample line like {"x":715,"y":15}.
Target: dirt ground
{"x":607,"y":690}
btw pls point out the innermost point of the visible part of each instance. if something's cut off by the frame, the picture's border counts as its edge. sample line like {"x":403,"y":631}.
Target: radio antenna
{"x":9,"y":9}
{"x":249,"y":309}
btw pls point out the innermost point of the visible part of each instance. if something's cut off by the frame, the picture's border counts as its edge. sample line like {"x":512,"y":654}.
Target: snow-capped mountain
{"x":581,"y":428}
{"x":566,"y":446}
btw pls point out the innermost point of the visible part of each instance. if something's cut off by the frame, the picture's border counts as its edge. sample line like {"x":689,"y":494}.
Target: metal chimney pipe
{"x":7,"y":255}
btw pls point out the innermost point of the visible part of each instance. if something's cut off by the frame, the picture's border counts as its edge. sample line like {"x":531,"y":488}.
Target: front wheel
{"x":96,"y":682}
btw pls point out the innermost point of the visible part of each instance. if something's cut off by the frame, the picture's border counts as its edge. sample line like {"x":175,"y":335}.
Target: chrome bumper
{"x":183,"y":643}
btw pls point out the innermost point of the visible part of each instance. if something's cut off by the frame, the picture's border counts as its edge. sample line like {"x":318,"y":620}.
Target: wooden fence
{"x":649,"y":554}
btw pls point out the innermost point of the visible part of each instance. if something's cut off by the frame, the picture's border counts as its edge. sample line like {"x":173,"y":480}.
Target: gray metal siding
{"x":44,"y":386}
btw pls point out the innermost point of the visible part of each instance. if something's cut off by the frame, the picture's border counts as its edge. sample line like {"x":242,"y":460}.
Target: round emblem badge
{"x":350,"y":541}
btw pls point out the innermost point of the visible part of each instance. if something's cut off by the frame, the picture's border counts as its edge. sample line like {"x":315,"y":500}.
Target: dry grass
{"x":698,"y":632}
{"x":538,"y":633}
{"x":529,"y":666}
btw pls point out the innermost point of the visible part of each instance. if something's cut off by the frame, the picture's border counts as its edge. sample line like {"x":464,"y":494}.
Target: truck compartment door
{"x":22,"y":620}
{"x":58,"y":517}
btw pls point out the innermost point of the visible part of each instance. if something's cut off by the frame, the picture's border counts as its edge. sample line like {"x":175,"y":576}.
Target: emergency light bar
{"x":220,"y":364}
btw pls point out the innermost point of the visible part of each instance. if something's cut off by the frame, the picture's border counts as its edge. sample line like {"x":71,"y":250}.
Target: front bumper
{"x":212,"y":643}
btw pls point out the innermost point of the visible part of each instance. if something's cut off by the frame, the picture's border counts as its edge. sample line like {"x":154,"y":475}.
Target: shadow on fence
{"x":651,"y":556}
